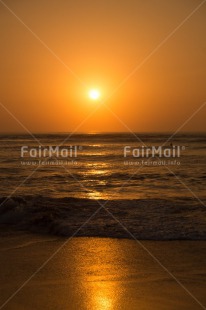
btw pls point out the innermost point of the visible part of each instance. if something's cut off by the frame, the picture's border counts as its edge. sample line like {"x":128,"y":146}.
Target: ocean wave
{"x":172,"y":219}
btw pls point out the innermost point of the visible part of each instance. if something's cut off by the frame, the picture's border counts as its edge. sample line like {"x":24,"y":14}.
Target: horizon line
{"x":99,"y":132}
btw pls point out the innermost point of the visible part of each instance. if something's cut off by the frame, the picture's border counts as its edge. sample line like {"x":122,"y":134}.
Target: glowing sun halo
{"x":94,"y":94}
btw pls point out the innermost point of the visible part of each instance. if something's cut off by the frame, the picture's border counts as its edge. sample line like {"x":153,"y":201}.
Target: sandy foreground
{"x":100,"y":273}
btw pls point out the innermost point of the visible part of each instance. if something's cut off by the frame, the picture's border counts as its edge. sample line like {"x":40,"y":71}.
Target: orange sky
{"x":102,"y":42}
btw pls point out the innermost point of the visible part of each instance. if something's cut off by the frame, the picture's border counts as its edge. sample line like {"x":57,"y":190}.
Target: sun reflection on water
{"x":96,"y":195}
{"x":98,"y":266}
{"x":103,"y":298}
{"x":100,"y":281}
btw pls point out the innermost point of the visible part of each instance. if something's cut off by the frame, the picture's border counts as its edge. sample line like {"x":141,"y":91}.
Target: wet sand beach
{"x":101,"y":274}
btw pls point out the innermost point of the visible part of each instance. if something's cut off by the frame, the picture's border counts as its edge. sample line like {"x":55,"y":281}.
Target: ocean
{"x":159,"y":197}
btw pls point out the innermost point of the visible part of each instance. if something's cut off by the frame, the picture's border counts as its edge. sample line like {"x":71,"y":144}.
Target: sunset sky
{"x":62,"y":49}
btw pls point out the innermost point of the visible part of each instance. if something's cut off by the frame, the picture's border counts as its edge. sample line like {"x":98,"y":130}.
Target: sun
{"x":94,"y":94}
